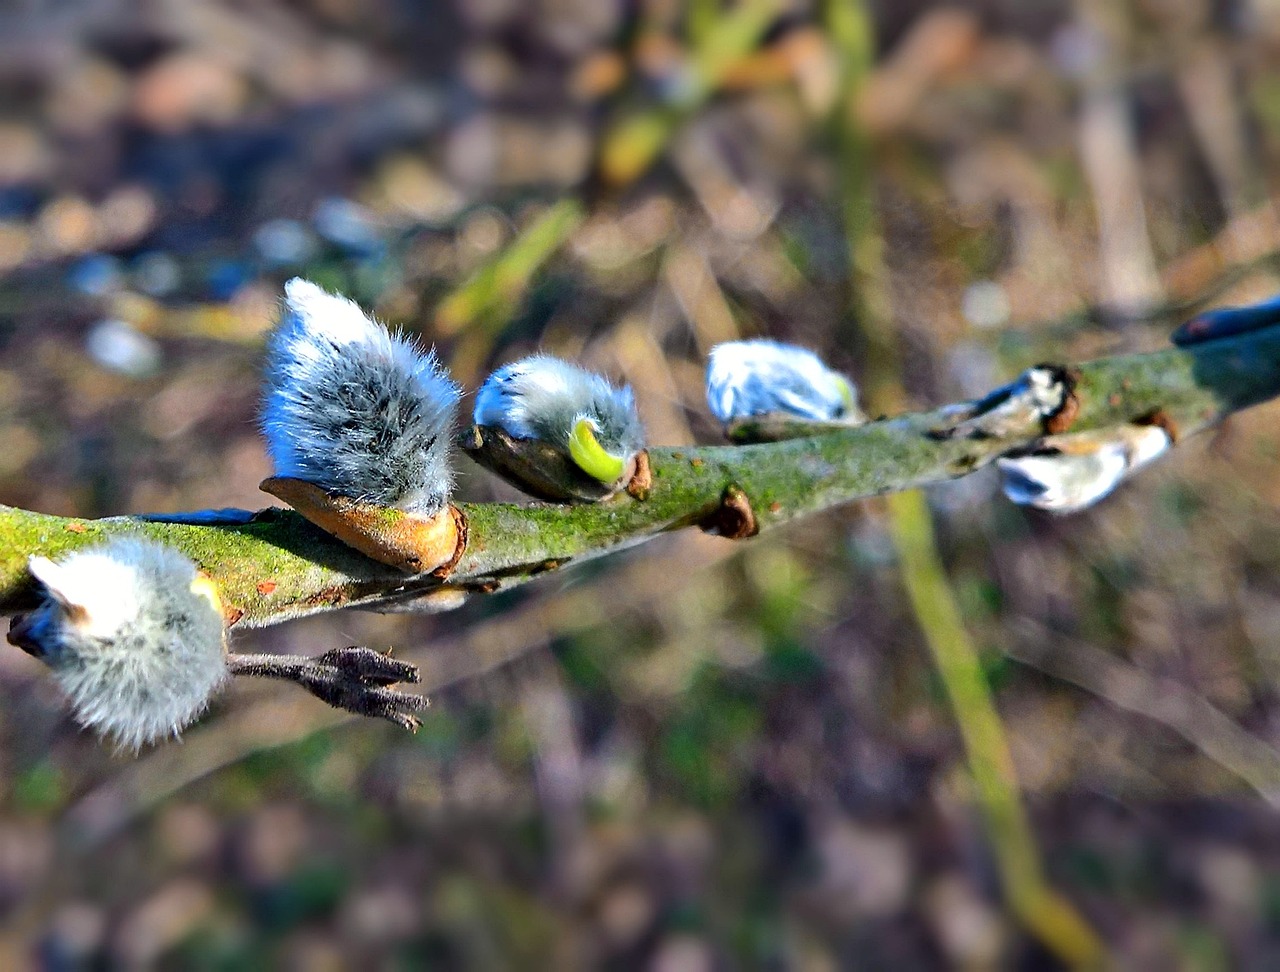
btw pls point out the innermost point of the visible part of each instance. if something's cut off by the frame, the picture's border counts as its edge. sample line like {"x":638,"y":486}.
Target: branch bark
{"x":276,"y":566}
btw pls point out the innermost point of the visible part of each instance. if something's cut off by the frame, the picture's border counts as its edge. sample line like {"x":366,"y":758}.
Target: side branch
{"x":273,"y":565}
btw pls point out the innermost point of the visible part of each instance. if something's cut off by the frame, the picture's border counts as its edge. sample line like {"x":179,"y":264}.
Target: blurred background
{"x":698,"y":755}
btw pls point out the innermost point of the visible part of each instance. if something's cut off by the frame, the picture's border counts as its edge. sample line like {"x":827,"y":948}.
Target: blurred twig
{"x":1047,"y":915}
{"x":489,"y":297}
{"x":1125,"y":686}
{"x":1248,"y":245}
{"x":1109,"y":157}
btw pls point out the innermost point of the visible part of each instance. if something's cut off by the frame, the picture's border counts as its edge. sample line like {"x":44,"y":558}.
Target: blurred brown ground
{"x":695,"y":756}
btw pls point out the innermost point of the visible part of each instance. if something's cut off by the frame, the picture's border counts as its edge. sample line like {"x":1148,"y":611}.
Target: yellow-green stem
{"x":1042,"y":911}
{"x":1045,"y":913}
{"x":632,"y":144}
{"x":492,"y":292}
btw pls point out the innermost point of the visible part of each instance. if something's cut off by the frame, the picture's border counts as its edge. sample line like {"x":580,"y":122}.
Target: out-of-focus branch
{"x":277,"y":566}
{"x":1165,"y":700}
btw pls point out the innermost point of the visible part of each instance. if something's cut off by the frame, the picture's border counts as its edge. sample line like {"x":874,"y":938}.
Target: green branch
{"x":277,"y":566}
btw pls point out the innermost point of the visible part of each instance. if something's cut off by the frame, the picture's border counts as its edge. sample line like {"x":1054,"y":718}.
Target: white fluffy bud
{"x":747,"y":379}
{"x":1067,"y":473}
{"x":132,"y":633}
{"x":576,"y":411}
{"x":354,"y":409}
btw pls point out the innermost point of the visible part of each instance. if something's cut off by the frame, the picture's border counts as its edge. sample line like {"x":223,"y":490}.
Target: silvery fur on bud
{"x":1068,"y":473}
{"x":542,"y":397}
{"x":355,"y":409}
{"x":132,"y":633}
{"x":747,"y":379}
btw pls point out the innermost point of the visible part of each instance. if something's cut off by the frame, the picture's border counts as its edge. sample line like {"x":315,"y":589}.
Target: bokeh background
{"x":698,"y":755}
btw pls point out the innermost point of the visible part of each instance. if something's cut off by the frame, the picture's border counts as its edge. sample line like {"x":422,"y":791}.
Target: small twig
{"x":1214,"y":733}
{"x":354,"y":678}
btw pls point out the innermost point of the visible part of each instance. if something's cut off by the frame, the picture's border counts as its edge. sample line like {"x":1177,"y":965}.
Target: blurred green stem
{"x":634,"y":141}
{"x":1049,"y":917}
{"x":486,"y":301}
{"x":1043,"y":911}
{"x":492,"y":293}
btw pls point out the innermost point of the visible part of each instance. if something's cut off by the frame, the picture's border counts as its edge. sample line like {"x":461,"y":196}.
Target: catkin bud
{"x":358,"y":424}
{"x":132,"y":633}
{"x":752,"y":379}
{"x":354,"y":409}
{"x":563,"y":413}
{"x":1067,"y":473}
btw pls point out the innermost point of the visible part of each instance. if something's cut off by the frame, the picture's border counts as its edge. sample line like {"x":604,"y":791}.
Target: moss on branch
{"x":278,"y":566}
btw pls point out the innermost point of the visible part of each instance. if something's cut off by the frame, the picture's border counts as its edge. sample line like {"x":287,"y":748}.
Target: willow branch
{"x":276,"y":566}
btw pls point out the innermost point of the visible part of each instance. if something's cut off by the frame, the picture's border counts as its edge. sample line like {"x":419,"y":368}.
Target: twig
{"x":1127,"y":687}
{"x":354,"y":678}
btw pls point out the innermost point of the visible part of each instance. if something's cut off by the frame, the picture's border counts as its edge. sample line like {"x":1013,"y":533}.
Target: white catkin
{"x":1066,"y":474}
{"x":762,"y":377}
{"x":138,"y":651}
{"x":355,"y":409}
{"x":543,"y":397}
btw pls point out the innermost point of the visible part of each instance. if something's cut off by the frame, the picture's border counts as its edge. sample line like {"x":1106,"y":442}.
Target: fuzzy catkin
{"x":1069,"y":473}
{"x":131,"y":637}
{"x":760,"y":377}
{"x":355,"y":409}
{"x":543,"y":397}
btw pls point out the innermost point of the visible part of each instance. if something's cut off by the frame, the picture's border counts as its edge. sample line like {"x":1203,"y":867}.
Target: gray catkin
{"x":137,"y":650}
{"x":543,"y":397}
{"x":355,"y":409}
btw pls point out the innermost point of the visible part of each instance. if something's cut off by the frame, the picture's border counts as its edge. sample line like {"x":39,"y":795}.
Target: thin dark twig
{"x":354,"y":678}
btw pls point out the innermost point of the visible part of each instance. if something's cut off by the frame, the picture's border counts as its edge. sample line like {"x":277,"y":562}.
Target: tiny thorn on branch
{"x":355,"y":678}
